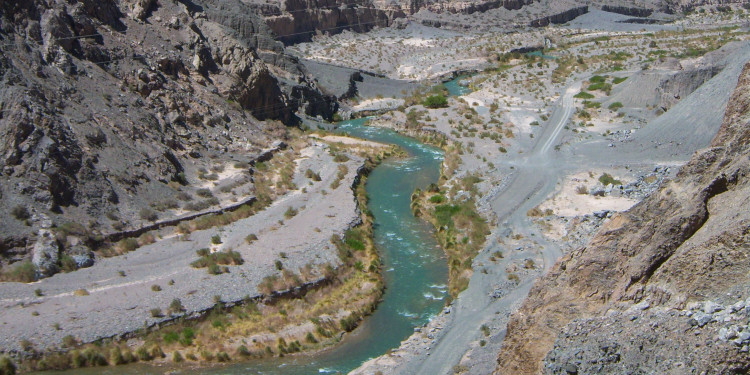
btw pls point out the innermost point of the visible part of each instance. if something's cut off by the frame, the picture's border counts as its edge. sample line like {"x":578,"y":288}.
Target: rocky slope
{"x":108,"y":109}
{"x":663,"y":287}
{"x":686,"y":5}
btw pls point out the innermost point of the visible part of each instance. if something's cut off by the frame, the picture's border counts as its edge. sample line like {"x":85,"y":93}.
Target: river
{"x":414,"y":267}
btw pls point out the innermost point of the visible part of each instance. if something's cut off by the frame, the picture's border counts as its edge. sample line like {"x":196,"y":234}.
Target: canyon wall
{"x":662,"y":287}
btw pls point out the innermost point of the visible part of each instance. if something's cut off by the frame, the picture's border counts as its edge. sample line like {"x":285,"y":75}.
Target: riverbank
{"x":347,"y":283}
{"x":557,"y":150}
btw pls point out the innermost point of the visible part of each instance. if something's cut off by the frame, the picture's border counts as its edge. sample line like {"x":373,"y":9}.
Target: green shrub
{"x":170,"y":337}
{"x":177,"y":357}
{"x":203,"y":252}
{"x":619,"y":80}
{"x":290,"y":213}
{"x":590,"y":104}
{"x":186,"y":336}
{"x":584,"y":95}
{"x":77,"y":359}
{"x":444,"y":214}
{"x":205,"y":193}
{"x":20,"y":212}
{"x":311,"y":338}
{"x":436,"y":101}
{"x":143,"y":354}
{"x":115,"y":357}
{"x":615,"y":106}
{"x":213,"y":261}
{"x":607,"y":179}
{"x":69,"y":341}
{"x":601,"y":86}
{"x":7,"y":367}
{"x":176,"y":306}
{"x":68,"y":264}
{"x":94,"y":357}
{"x":148,"y":214}
{"x":54,"y":362}
{"x":215,"y":269}
{"x":354,"y":239}
{"x":223,"y":357}
{"x":243,"y":351}
{"x":340,"y":158}
{"x":251,"y":238}
{"x":312,"y":175}
{"x":24,"y":272}
{"x":155,"y":351}
{"x":349,"y":323}
{"x":437,"y":199}
{"x":127,"y":244}
{"x":216,"y":239}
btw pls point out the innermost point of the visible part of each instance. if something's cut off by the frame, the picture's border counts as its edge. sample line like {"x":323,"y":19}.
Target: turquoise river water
{"x":414,"y":268}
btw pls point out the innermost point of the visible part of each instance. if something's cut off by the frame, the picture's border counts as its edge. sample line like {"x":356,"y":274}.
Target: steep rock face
{"x":469,"y":7}
{"x":628,"y":11}
{"x":296,"y":21}
{"x":686,"y":243}
{"x":681,"y":84}
{"x":109,"y":107}
{"x":561,"y":17}
{"x":672,"y":6}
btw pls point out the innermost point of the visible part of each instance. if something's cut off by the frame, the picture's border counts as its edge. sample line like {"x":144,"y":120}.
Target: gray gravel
{"x":121,"y":304}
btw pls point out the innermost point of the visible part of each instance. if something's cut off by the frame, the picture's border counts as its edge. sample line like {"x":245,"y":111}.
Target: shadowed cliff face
{"x":297,"y":21}
{"x":301,"y":18}
{"x":105,"y":106}
{"x":686,"y":243}
{"x":671,"y":6}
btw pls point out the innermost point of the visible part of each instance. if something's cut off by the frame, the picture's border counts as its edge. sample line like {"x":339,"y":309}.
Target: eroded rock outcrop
{"x":469,"y":7}
{"x":682,"y":83}
{"x":628,"y":11}
{"x":634,"y":292}
{"x":97,"y":131}
{"x":674,"y":6}
{"x":295,"y":21}
{"x":561,"y":17}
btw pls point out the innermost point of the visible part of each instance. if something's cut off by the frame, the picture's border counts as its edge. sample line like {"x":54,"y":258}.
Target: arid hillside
{"x":663,"y":287}
{"x":113,"y":115}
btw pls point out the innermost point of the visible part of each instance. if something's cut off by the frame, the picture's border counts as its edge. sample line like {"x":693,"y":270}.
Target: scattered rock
{"x":46,"y":253}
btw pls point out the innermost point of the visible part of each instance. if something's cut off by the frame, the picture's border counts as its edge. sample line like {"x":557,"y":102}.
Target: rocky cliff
{"x":682,"y":83}
{"x":469,"y":7}
{"x":297,"y":21}
{"x":674,"y":6}
{"x":628,"y":11}
{"x":561,"y":17}
{"x":661,"y":288}
{"x":108,"y":109}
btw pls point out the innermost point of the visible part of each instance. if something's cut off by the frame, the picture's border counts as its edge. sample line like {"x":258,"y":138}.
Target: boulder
{"x":46,"y":253}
